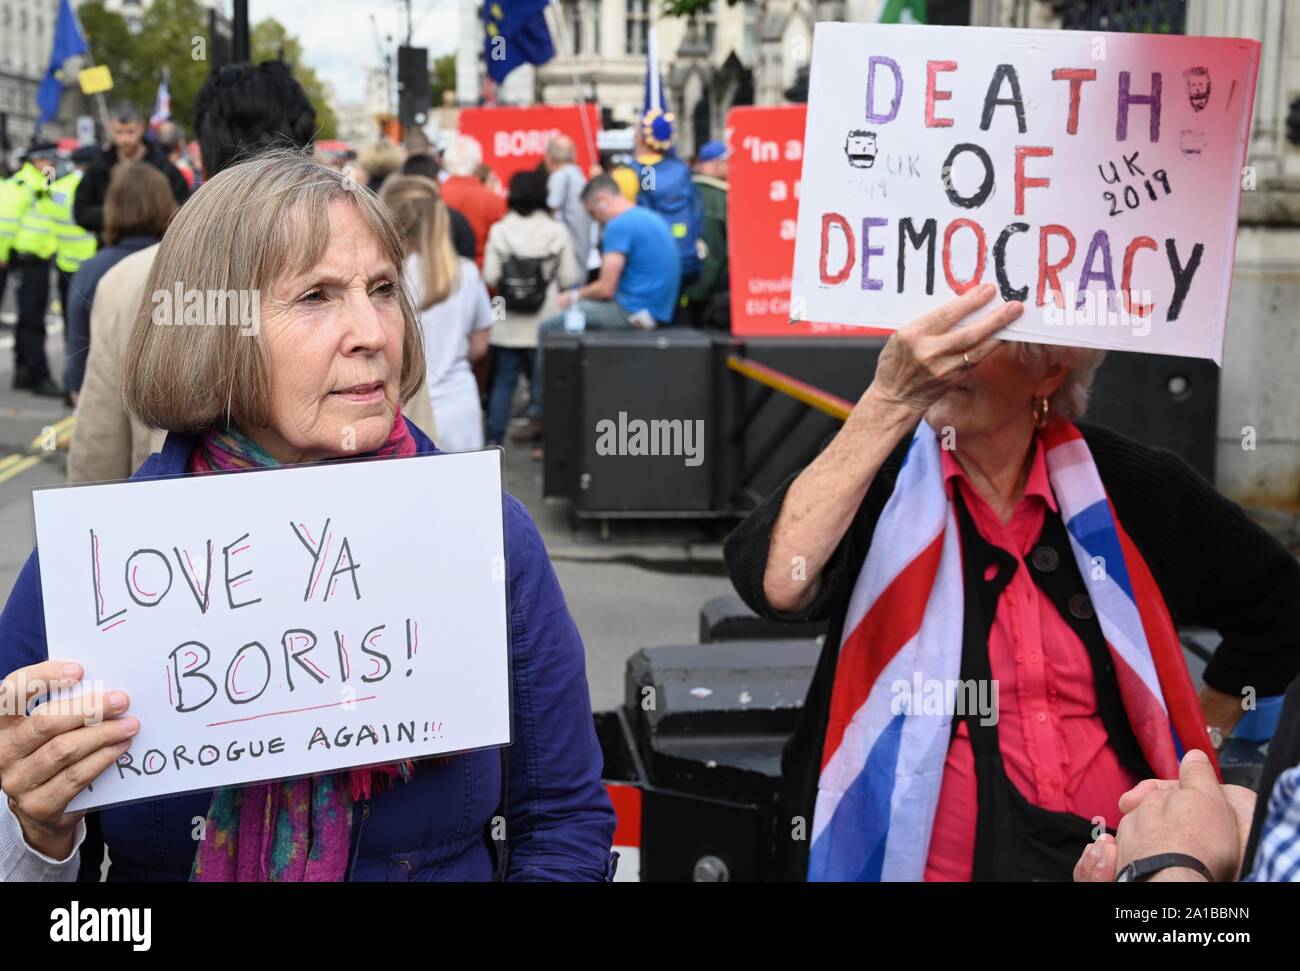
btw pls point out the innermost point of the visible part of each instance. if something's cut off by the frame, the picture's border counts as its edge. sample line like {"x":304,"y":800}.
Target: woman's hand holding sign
{"x":920,"y":363}
{"x":922,"y":360}
{"x":49,"y":756}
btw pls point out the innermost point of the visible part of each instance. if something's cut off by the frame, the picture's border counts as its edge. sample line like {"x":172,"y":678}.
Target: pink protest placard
{"x":1096,"y":177}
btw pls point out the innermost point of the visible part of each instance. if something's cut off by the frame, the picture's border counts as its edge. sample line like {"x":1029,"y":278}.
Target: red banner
{"x":762,"y":208}
{"x":514,"y":139}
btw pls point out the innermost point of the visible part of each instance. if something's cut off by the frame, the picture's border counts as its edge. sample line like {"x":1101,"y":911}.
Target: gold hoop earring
{"x":1042,"y":410}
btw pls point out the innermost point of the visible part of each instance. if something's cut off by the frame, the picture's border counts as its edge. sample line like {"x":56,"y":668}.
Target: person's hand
{"x":1193,"y":814}
{"x":1241,"y":799}
{"x":1097,"y":863}
{"x":49,"y":756}
{"x":1221,"y":709}
{"x":566,"y":299}
{"x":924,"y":358}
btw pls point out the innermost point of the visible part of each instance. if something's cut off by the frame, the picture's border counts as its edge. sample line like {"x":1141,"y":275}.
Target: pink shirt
{"x":1050,"y":733}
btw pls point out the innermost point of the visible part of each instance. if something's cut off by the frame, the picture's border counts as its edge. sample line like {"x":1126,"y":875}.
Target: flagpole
{"x":90,"y":60}
{"x":652,"y":58}
{"x":99,"y":95}
{"x":577,"y":89}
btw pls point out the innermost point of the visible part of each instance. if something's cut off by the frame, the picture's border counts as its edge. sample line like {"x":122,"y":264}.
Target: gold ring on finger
{"x":966,"y":357}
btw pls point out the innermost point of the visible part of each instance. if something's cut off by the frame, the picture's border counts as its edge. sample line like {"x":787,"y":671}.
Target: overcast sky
{"x":338,"y":40}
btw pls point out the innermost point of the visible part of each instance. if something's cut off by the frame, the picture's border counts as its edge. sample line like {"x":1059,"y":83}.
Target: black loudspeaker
{"x":563,"y":386}
{"x":708,"y":725}
{"x":629,"y":419}
{"x":412,"y":85}
{"x":647,"y":430}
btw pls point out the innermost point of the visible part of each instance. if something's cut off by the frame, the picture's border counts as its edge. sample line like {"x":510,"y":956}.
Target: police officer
{"x":73,"y":244}
{"x":34,"y":245}
{"x":12,"y":198}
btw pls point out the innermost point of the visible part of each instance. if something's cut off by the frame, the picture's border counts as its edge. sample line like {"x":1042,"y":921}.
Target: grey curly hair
{"x":1071,"y":399}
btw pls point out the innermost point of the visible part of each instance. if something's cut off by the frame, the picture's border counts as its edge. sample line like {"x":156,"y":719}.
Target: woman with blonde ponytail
{"x":452,"y":303}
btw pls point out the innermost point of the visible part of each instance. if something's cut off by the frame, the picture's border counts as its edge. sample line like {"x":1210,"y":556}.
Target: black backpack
{"x":524,"y":283}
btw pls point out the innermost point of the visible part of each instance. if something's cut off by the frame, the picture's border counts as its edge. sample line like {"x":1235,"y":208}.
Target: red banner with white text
{"x":762,"y":208}
{"x":515,"y":139}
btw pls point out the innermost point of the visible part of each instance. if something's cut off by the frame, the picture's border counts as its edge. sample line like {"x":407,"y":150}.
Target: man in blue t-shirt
{"x":640,"y":274}
{"x":640,"y":271}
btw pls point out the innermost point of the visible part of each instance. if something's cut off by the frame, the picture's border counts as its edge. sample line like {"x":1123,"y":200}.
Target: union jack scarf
{"x":881,"y":765}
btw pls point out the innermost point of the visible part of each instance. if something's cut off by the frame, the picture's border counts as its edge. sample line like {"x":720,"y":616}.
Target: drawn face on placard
{"x":860,"y":148}
{"x":1198,"y":87}
{"x":334,"y":339}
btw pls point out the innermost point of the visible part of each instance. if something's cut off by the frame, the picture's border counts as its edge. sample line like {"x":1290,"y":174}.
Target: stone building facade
{"x":26,"y":34}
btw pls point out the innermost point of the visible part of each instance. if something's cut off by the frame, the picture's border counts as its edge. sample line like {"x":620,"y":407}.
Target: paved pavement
{"x":629,"y":586}
{"x":26,"y":424}
{"x":632,"y":586}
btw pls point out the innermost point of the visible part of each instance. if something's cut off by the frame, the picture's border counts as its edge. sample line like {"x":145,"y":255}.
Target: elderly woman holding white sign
{"x":336,"y":348}
{"x":962,"y":534}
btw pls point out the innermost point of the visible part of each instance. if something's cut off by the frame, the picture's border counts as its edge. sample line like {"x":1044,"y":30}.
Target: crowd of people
{"x":55,"y":215}
{"x":974,"y":562}
{"x":639,"y":241}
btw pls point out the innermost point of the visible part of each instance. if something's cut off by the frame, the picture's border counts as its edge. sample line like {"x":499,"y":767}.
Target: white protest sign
{"x":284,"y":622}
{"x":1096,"y":177}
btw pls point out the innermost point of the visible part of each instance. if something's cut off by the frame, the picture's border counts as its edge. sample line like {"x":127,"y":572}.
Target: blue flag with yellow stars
{"x":68,"y":42}
{"x":515,"y":33}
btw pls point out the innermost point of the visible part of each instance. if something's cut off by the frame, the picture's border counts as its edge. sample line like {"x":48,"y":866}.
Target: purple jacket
{"x":436,"y":827}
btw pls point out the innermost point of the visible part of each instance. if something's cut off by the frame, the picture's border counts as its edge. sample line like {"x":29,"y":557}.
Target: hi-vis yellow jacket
{"x":73,"y":245}
{"x":36,"y":222}
{"x":16,"y":196}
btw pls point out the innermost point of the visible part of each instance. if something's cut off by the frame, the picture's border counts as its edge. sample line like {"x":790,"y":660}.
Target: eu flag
{"x":68,"y":42}
{"x":515,"y":33}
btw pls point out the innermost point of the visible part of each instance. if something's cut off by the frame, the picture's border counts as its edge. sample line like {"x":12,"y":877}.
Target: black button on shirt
{"x":1081,"y":606}
{"x":1045,"y":559}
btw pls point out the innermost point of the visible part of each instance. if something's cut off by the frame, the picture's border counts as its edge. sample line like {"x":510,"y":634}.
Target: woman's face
{"x":334,"y":339}
{"x":995,"y":396}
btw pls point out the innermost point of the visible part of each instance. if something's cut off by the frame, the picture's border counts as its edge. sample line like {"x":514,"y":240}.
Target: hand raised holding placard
{"x":919,"y":364}
{"x":51,"y":755}
{"x":921,"y":361}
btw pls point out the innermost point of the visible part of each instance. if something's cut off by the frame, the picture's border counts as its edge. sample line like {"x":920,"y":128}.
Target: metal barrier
{"x":769,"y":377}
{"x":771,"y":380}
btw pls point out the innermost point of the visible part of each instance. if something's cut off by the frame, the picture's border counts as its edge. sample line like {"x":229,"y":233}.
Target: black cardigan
{"x":1214,"y":566}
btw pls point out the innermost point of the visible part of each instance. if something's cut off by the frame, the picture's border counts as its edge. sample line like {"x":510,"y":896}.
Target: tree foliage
{"x":173,"y":34}
{"x":684,"y":8}
{"x":442,"y":77}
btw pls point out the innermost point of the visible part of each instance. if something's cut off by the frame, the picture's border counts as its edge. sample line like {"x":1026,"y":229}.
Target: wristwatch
{"x":1139,"y":870}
